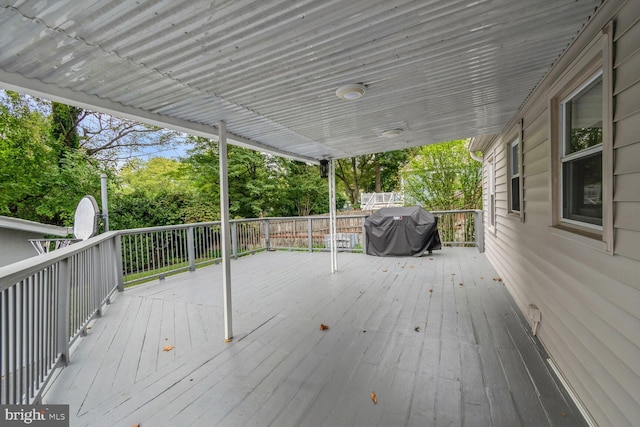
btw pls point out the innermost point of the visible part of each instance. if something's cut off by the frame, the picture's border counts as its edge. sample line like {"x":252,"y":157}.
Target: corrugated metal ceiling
{"x":438,"y":70}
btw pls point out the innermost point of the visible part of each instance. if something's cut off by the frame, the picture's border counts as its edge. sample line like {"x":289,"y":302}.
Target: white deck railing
{"x":47,"y":301}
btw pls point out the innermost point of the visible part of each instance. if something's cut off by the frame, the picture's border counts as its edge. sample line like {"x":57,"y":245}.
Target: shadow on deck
{"x":438,"y":339}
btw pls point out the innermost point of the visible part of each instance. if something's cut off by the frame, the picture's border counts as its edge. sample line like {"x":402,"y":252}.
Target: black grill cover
{"x":401,"y":232}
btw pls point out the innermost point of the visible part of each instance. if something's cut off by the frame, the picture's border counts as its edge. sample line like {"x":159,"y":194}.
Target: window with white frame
{"x":514,"y":176}
{"x":581,"y":154}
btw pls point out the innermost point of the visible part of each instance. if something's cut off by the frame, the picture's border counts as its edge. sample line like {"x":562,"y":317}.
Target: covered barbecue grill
{"x":406,"y":231}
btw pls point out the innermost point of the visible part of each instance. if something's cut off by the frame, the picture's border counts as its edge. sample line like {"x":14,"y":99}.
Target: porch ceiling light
{"x":391,"y":133}
{"x":350,"y":92}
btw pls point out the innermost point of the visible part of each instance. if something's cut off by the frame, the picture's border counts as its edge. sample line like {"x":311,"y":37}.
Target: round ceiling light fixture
{"x":350,"y":92}
{"x":391,"y":133}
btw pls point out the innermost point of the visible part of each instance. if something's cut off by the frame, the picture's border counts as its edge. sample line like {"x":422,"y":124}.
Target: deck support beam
{"x":225,"y":231}
{"x":333,"y":215}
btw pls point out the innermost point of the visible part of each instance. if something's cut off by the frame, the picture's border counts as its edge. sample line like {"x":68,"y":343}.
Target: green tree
{"x":37,"y":182}
{"x":251,"y":183}
{"x":24,"y":154}
{"x":154,"y":176}
{"x":300,"y":189}
{"x":444,"y":176}
{"x":64,"y":125}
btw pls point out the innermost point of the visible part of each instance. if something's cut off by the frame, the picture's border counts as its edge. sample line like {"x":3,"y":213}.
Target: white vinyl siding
{"x":588,"y":294}
{"x":492,"y":193}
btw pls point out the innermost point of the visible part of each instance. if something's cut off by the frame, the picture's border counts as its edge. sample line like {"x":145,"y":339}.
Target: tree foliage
{"x":41,"y":179}
{"x":444,"y":176}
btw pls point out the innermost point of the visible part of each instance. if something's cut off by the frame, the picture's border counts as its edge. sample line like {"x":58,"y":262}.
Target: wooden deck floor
{"x":437,"y":339}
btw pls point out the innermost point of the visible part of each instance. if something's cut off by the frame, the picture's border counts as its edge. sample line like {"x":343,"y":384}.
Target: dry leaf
{"x":137,"y":425}
{"x":323,"y":327}
{"x":430,"y":290}
{"x":411,"y":266}
{"x":461,"y":284}
{"x":497,"y":279}
{"x":417,"y":329}
{"x":374,"y":398}
{"x":168,"y":348}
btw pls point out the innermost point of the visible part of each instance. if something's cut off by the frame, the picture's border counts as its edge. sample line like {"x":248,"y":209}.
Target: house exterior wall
{"x":586,"y":286}
{"x":15,"y":234}
{"x":15,"y":246}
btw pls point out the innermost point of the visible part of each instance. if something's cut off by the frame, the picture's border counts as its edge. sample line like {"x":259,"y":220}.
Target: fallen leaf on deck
{"x":168,"y":348}
{"x":417,"y":329}
{"x":137,"y":425}
{"x":374,"y":398}
{"x":323,"y":327}
{"x":461,"y":284}
{"x":497,"y":279}
{"x":430,"y":290}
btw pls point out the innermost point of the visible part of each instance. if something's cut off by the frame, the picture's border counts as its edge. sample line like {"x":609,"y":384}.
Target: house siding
{"x":589,"y":299}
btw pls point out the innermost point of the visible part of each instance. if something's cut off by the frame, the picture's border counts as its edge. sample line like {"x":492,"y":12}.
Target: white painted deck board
{"x":435,"y":337}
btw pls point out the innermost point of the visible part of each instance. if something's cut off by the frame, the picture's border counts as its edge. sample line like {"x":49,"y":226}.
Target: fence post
{"x":64,"y":284}
{"x":117,"y":242}
{"x":234,"y":240}
{"x":267,"y":237}
{"x":96,"y":254}
{"x":310,"y":234}
{"x":479,"y":226}
{"x":191,"y":249}
{"x":364,"y":237}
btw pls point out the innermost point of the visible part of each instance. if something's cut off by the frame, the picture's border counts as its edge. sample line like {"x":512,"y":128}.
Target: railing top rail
{"x":13,"y":273}
{"x":455,"y":211}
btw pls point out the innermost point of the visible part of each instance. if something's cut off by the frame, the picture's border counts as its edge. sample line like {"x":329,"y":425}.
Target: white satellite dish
{"x":85,"y":220}
{"x":85,"y":225}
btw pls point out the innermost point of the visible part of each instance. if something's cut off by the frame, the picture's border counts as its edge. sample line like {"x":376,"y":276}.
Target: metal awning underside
{"x":438,"y":70}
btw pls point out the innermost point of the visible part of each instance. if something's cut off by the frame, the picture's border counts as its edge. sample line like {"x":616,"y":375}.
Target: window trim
{"x":581,"y":154}
{"x":511,"y":176}
{"x":596,"y":56}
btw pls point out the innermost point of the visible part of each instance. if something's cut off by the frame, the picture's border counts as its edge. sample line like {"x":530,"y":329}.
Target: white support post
{"x":105,"y":201}
{"x":226,"y":232}
{"x":333,"y":216}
